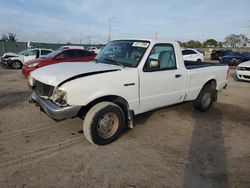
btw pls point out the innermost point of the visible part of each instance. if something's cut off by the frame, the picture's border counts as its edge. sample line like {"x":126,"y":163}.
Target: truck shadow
{"x":206,"y":164}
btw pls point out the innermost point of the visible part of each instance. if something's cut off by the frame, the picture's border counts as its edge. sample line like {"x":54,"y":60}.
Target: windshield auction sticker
{"x":140,"y":44}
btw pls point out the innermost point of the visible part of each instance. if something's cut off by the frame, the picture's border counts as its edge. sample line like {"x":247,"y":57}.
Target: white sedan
{"x":243,"y":71}
{"x":192,"y":55}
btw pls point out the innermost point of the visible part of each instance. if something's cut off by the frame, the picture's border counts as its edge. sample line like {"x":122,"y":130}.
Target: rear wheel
{"x":103,"y":123}
{"x":16,"y":65}
{"x":204,"y":100}
{"x":198,"y":60}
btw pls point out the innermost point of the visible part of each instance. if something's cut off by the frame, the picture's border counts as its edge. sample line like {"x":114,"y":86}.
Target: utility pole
{"x":247,"y":27}
{"x":88,"y":36}
{"x":156,"y":34}
{"x":109,"y":35}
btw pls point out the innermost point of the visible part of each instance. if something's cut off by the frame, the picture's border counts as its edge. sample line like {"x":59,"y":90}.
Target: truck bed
{"x":195,"y":65}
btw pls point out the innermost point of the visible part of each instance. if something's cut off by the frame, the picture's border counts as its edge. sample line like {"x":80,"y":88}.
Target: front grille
{"x":246,"y":68}
{"x":42,"y":89}
{"x":247,"y":77}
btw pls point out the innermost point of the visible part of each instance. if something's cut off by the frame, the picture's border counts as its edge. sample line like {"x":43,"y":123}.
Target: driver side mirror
{"x":154,"y":64}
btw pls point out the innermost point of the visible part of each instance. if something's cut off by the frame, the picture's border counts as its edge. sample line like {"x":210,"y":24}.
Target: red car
{"x":69,"y":55}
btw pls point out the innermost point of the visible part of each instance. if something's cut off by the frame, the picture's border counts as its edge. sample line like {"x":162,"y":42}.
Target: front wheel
{"x":204,"y":100}
{"x":103,"y":123}
{"x":16,"y":65}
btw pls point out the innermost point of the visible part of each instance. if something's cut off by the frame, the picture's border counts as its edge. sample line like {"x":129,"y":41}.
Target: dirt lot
{"x":171,"y":147}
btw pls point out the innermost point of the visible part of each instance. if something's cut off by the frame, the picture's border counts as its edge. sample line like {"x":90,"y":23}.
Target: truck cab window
{"x":67,"y":54}
{"x":162,"y":57}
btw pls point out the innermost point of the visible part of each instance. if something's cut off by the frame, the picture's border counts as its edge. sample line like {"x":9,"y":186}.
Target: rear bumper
{"x":53,"y":110}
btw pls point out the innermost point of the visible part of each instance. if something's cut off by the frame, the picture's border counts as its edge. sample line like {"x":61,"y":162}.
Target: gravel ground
{"x":171,"y":147}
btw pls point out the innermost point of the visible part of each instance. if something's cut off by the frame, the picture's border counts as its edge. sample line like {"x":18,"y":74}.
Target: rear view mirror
{"x":154,"y":64}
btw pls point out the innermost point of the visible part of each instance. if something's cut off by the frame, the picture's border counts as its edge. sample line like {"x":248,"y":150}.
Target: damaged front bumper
{"x":53,"y":110}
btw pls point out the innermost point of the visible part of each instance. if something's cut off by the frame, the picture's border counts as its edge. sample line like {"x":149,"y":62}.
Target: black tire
{"x":198,"y":61}
{"x":204,"y":100}
{"x":94,"y":124}
{"x":16,"y":65}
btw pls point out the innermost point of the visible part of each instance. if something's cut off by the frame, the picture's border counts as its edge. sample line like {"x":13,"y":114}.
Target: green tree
{"x":210,"y":43}
{"x":183,"y":44}
{"x":4,"y":37}
{"x":193,"y":44}
{"x":12,"y":37}
{"x":220,"y":44}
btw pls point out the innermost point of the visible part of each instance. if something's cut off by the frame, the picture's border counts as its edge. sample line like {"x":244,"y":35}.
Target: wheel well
{"x":213,"y":84}
{"x":121,"y":102}
{"x":17,"y":61}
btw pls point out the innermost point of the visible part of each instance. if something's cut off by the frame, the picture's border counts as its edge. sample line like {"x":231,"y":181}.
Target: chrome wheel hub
{"x":206,"y":100}
{"x":107,"y":125}
{"x":15,"y":65}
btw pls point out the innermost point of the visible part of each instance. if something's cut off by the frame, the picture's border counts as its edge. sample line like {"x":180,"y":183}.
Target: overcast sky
{"x":68,"y":20}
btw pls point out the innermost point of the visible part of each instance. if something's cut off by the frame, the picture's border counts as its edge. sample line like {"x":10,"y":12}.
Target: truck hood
{"x":58,"y":73}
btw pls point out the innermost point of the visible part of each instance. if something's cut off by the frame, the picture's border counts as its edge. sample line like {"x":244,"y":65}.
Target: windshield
{"x":125,"y":53}
{"x":23,"y":52}
{"x":52,"y":54}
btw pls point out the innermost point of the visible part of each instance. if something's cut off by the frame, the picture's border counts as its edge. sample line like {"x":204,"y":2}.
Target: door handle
{"x":178,"y":75}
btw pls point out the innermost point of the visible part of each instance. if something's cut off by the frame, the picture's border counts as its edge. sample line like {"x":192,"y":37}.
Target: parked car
{"x":192,"y":55}
{"x":235,"y":58}
{"x":21,"y":59}
{"x":71,"y":47}
{"x":69,"y":55}
{"x":141,"y":76}
{"x":217,"y":54}
{"x":94,"y":49}
{"x":8,"y":55}
{"x":243,"y":71}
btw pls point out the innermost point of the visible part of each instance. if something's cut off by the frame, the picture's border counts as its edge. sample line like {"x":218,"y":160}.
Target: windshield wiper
{"x":115,"y":61}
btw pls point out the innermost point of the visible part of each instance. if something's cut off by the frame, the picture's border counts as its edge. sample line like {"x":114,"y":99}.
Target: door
{"x":31,"y":55}
{"x":161,"y":82}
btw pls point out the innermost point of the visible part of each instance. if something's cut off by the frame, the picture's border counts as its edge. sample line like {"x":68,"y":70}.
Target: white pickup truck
{"x":139,"y":76}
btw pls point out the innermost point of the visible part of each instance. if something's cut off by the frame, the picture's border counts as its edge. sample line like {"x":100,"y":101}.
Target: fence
{"x":9,"y":46}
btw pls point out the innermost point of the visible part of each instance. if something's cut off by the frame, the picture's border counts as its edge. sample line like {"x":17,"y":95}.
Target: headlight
{"x":241,"y":68}
{"x":33,"y":65}
{"x":60,"y":97}
{"x":31,"y":81}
